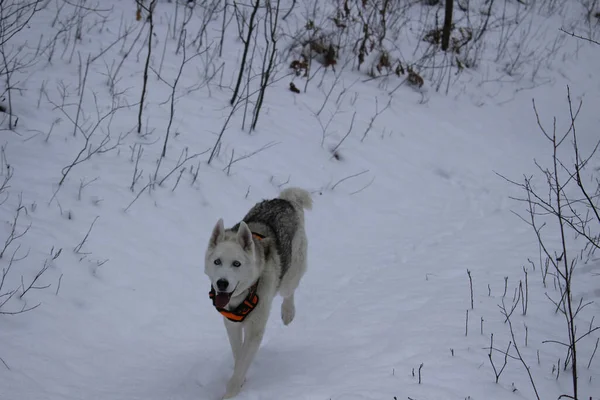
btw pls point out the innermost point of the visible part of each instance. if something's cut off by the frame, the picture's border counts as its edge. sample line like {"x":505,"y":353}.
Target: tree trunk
{"x":447,"y":25}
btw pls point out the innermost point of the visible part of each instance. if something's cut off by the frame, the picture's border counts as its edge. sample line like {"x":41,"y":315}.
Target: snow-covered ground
{"x":126,"y":315}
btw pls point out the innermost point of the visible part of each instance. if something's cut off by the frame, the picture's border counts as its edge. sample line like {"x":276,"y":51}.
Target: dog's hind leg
{"x":235,"y":334}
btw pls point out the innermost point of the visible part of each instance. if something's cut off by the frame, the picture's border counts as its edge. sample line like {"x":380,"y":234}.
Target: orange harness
{"x":245,"y":308}
{"x":241,"y":311}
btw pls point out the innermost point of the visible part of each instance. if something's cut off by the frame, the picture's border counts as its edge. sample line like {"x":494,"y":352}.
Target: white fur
{"x":241,"y":250}
{"x":245,"y":337}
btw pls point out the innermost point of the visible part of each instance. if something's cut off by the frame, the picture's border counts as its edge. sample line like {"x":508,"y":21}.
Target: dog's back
{"x":280,"y":219}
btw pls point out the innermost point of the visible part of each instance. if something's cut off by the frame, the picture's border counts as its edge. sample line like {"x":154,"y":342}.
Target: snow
{"x":128,"y":317}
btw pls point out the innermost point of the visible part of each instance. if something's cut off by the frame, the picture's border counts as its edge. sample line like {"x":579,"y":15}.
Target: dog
{"x":248,"y":264}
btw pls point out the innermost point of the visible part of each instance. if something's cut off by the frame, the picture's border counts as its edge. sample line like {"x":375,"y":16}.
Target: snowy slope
{"x":127,"y":315}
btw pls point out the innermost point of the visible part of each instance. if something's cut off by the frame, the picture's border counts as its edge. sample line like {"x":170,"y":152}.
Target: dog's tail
{"x":297,"y":196}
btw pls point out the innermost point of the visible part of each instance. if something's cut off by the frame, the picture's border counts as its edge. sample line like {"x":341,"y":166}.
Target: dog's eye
{"x":218,"y":261}
{"x":236,"y":264}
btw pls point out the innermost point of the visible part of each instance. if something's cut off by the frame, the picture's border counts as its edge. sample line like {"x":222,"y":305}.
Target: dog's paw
{"x":234,"y":386}
{"x":288,"y":311}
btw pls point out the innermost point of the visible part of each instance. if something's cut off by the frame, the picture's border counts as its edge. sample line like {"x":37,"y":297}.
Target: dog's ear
{"x":218,"y":233}
{"x":244,"y":237}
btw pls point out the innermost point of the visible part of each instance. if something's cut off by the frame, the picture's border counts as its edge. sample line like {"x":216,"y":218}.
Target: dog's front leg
{"x":234,"y":331}
{"x":253,"y":336}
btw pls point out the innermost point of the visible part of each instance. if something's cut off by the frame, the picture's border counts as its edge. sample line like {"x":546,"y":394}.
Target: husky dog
{"x":249,"y":264}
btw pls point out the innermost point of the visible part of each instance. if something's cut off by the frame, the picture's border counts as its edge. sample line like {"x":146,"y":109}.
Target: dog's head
{"x":230,"y":262}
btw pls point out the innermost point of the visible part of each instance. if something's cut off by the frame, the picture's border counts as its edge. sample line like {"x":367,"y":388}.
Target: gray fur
{"x":277,"y":262}
{"x":276,"y":219}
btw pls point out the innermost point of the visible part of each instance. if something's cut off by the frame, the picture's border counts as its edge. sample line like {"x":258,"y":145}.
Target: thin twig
{"x":580,"y":37}
{"x":349,"y":177}
{"x":470,"y":286}
{"x":77,"y":248}
{"x":333,"y":151}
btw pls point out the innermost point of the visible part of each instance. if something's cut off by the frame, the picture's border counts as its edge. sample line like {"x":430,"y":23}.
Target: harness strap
{"x":258,"y":236}
{"x":242,"y":310}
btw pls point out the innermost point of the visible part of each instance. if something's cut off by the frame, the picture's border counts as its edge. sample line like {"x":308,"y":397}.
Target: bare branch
{"x":349,"y":177}
{"x":77,"y":248}
{"x":580,"y":37}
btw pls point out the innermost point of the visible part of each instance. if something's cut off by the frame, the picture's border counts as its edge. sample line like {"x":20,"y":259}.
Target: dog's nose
{"x":222,"y":284}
